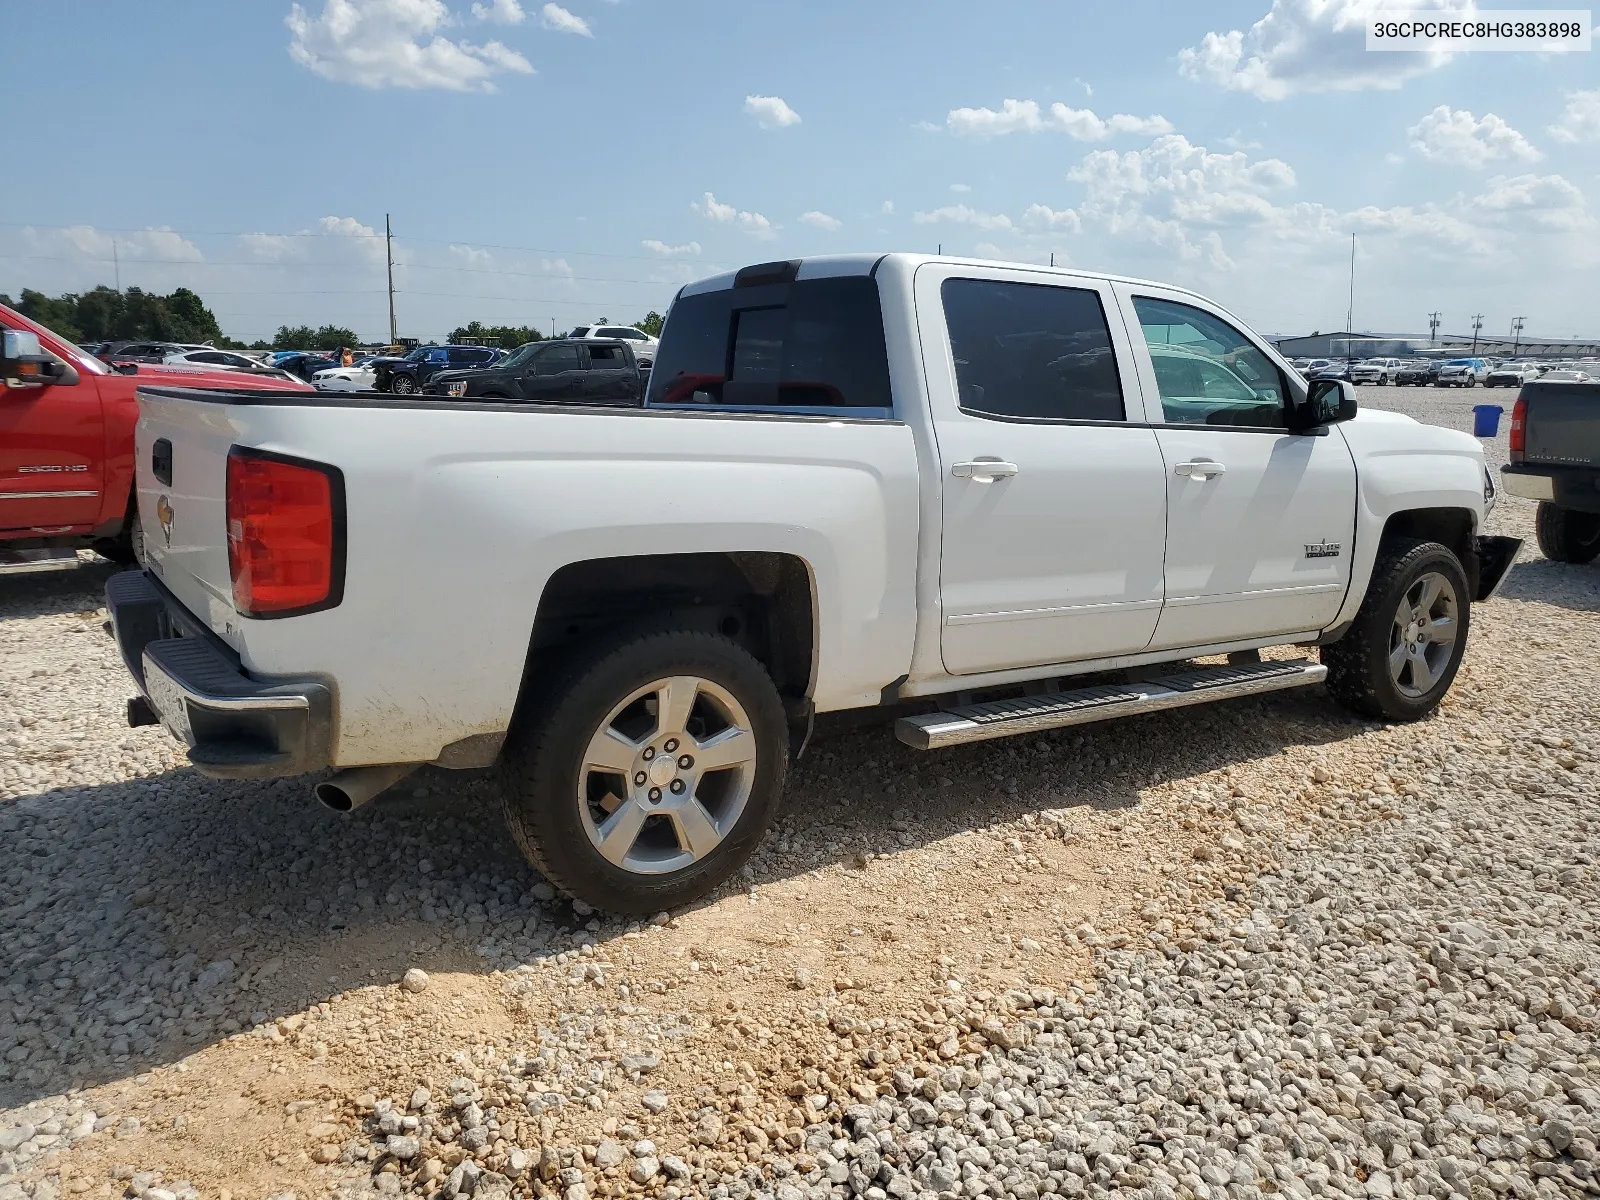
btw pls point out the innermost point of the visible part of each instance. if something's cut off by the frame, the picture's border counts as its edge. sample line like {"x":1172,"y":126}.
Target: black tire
{"x":127,"y":549}
{"x":1566,"y":535}
{"x":539,"y":771}
{"x":402,"y":385}
{"x":1359,"y":675}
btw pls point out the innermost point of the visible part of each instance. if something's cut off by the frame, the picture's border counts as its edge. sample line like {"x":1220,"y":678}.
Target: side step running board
{"x":1028,"y":714}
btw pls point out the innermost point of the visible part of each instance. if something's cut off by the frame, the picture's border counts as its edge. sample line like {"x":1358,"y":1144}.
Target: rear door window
{"x":607,"y":358}
{"x":580,"y":331}
{"x":811,"y":345}
{"x":1032,"y":351}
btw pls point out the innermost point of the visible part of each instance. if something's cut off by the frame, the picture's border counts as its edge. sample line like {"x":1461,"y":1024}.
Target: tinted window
{"x":1032,"y":350}
{"x":631,"y":335}
{"x":580,"y":331}
{"x":553,"y":360}
{"x":1208,"y":372}
{"x":814,"y":343}
{"x":607,"y":358}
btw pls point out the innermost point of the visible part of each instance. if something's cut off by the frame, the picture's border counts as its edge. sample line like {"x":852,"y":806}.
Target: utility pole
{"x":1350,"y":313}
{"x":1433,"y":327}
{"x":1477,"y":324}
{"x":1516,"y":333}
{"x":116,"y":263}
{"x":552,"y":327}
{"x":1052,"y":258}
{"x":388,"y":242}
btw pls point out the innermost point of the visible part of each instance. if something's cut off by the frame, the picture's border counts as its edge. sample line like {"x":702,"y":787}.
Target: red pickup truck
{"x":66,"y":443}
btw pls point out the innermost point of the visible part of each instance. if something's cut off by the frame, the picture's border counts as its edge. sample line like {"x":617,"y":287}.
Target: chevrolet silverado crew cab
{"x":981,"y":499}
{"x":66,"y":439}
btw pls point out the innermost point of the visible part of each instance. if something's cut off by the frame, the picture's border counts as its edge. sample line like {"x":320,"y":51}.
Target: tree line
{"x":105,"y":314}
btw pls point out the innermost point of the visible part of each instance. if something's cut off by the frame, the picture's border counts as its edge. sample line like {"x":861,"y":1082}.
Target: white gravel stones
{"x":414,"y":980}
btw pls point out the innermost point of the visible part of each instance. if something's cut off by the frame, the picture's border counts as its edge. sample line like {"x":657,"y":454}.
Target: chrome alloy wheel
{"x":667,"y":775}
{"x":1423,"y":636}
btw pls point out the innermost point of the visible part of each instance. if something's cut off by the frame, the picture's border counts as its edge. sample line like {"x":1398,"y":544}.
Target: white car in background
{"x":207,"y":356}
{"x":1376,"y":370}
{"x":644,"y":346}
{"x":359,"y":377}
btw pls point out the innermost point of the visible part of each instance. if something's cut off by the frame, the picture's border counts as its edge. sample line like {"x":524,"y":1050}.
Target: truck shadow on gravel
{"x":1573,"y":586}
{"x":53,"y":591}
{"x":150,"y":917}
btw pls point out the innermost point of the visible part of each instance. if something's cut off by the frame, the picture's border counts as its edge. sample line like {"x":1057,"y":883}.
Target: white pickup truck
{"x":984,"y":499}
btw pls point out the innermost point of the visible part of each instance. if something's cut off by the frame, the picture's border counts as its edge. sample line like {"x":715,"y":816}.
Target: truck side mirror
{"x":1327,"y":402}
{"x":24,"y":363}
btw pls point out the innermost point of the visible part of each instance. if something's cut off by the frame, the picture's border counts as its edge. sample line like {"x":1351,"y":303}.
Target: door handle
{"x":984,"y":470}
{"x":1201,"y":469}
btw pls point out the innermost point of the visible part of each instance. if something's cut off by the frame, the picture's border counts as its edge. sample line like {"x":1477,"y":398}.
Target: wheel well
{"x":1450,"y":527}
{"x":762,"y":600}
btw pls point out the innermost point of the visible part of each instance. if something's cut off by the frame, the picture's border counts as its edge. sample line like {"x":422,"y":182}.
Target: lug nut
{"x":655,"y":795}
{"x":685,"y":762}
{"x":677,"y":787}
{"x":649,"y":753}
{"x":639,"y":779}
{"x":672,"y":744}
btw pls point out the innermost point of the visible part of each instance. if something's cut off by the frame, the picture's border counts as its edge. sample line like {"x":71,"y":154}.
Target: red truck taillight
{"x":286,"y":534}
{"x":1519,"y":429}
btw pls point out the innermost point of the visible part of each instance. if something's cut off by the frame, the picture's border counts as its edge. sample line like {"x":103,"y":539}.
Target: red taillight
{"x":285,"y":534}
{"x":1519,"y":429}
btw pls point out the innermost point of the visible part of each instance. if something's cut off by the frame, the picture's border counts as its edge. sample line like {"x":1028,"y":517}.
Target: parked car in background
{"x":146,"y":351}
{"x":1568,"y":373}
{"x":304,"y":366}
{"x":213,"y":357}
{"x":1512,"y":374}
{"x":1380,"y":371}
{"x":405,"y":376}
{"x":1333,"y":370}
{"x":857,"y":483}
{"x":66,"y":441}
{"x":1555,"y":459}
{"x":644,"y":346}
{"x":1462,"y":372}
{"x":1416,"y":372}
{"x":567,"y":371}
{"x":358,"y":377}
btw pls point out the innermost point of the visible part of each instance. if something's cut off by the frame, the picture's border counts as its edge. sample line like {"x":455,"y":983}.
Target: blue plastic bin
{"x":1486,"y":420}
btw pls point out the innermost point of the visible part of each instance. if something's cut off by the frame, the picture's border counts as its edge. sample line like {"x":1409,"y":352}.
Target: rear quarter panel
{"x":458,"y":516}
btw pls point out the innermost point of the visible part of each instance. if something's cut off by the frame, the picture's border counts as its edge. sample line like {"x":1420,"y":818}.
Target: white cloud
{"x":770,"y":112}
{"x":471,"y":255}
{"x":820,"y":220}
{"x":1026,"y":116}
{"x":1457,"y":137}
{"x":1310,"y":46}
{"x":395,"y":43}
{"x":500,"y":12}
{"x":1084,"y":84}
{"x":1042,"y":216}
{"x":158,"y":244}
{"x":886,"y":209}
{"x":961,"y":214}
{"x":553,"y":16}
{"x":666,"y":251}
{"x":752,"y":223}
{"x":1580,"y":120}
{"x":960,"y":188}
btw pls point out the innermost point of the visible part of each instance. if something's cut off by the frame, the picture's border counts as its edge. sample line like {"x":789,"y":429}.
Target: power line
{"x":330,"y":266}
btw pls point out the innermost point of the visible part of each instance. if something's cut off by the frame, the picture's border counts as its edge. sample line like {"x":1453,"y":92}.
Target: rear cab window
{"x":808,"y":346}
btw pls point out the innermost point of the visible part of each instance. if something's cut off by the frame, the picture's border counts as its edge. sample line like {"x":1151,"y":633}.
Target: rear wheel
{"x":647,"y":772}
{"x":1400,"y":655}
{"x":1566,"y":535}
{"x":402,"y":385}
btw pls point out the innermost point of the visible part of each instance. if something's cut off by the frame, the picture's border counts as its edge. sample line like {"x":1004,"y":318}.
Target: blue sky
{"x":561,"y":163}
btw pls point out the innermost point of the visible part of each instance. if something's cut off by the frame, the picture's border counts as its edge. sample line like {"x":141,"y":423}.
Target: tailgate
{"x":181,"y":461}
{"x":1562,"y":425}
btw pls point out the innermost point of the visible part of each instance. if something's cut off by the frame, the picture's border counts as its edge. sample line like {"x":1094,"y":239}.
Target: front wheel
{"x":1400,"y":655}
{"x":402,"y":385}
{"x":1566,"y":535}
{"x":648,"y":769}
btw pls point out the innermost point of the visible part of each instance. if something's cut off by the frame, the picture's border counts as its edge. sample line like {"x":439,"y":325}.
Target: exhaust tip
{"x":333,"y":796}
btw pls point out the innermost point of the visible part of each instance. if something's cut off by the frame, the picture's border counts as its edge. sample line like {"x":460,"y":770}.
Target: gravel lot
{"x":1243,"y":950}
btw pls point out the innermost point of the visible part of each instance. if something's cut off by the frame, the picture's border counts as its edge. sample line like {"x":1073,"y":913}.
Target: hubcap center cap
{"x":663,"y":769}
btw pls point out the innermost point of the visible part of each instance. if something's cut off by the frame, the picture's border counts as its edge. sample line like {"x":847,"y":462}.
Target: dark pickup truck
{"x":1555,"y":459}
{"x":568,"y":371}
